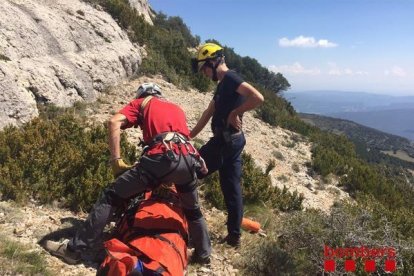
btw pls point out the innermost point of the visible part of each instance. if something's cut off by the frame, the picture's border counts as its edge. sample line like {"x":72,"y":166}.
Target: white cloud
{"x":336,"y":71}
{"x":306,"y":42}
{"x":361,"y":73}
{"x":294,"y":69}
{"x":333,"y":69}
{"x":396,"y":71}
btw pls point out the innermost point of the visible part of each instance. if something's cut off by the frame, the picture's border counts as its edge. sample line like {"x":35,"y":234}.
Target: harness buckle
{"x":170,"y":154}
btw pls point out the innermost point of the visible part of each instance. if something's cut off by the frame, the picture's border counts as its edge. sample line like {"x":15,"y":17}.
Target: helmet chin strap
{"x":214,"y":69}
{"x":215,"y":78}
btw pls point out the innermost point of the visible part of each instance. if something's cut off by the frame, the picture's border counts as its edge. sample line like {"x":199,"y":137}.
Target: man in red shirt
{"x":168,"y":158}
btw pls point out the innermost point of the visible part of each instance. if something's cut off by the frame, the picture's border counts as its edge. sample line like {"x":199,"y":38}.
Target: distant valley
{"x":396,"y":121}
{"x":391,"y":114}
{"x":371,"y":144}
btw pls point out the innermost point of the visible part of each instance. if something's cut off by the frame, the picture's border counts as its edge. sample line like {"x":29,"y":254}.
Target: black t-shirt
{"x":226,"y":99}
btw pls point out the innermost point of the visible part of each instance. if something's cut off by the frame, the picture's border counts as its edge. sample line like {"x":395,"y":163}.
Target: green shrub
{"x":201,"y":82}
{"x":257,"y":188}
{"x":274,"y":109}
{"x":80,"y":12}
{"x":198,"y":143}
{"x":290,"y":144}
{"x":295,"y":167}
{"x":167,"y":43}
{"x":267,"y":258}
{"x":278,"y":155}
{"x":56,"y":159}
{"x":128,"y":18}
{"x":283,"y":178}
{"x":212,"y":191}
{"x":298,"y":247}
{"x":254,"y":72}
{"x":335,"y":154}
{"x":3,"y":57}
{"x":271,"y":164}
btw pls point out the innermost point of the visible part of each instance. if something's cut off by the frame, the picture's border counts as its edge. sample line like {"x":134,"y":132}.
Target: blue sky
{"x":353,"y":45}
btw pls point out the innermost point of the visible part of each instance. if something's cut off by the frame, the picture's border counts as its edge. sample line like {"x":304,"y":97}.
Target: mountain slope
{"x":396,"y":121}
{"x":369,"y":141}
{"x":392,"y":114}
{"x":326,"y":102}
{"x":264,"y":142}
{"x":291,"y":152}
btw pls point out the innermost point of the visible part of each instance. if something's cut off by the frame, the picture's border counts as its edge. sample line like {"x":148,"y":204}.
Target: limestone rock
{"x":59,"y":52}
{"x":143,"y":8}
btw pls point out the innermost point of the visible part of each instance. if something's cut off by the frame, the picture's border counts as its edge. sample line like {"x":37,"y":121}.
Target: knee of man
{"x":200,"y":175}
{"x":110,"y":197}
{"x":186,"y":188}
{"x":193,"y":214}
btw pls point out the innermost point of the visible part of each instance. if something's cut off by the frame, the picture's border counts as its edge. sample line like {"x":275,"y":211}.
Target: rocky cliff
{"x":143,"y":8}
{"x":59,"y":52}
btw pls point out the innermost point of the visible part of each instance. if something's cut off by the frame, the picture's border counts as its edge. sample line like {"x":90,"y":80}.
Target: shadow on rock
{"x":90,"y":258}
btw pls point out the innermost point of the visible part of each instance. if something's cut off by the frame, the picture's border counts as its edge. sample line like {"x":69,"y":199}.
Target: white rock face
{"x":142,"y":8}
{"x":58,"y":51}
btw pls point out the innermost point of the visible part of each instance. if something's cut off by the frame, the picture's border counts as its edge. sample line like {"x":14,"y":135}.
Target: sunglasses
{"x":197,"y":67}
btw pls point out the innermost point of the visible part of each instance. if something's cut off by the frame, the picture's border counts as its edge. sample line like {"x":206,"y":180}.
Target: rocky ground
{"x":30,"y":224}
{"x":264,"y":142}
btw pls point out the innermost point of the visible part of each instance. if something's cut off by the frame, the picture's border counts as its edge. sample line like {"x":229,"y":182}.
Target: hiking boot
{"x":232,"y":240}
{"x":61,"y":250}
{"x":196,"y":259}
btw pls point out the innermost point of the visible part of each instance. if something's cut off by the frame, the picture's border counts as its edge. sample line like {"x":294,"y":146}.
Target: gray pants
{"x":148,"y":174}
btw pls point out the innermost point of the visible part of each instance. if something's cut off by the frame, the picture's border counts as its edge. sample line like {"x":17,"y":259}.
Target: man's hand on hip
{"x":234,"y":120}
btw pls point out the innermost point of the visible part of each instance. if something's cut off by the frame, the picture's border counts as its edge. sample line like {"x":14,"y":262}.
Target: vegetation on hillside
{"x":59,"y":157}
{"x":32,"y":165}
{"x":56,"y":157}
{"x":168,"y":42}
{"x":257,"y":189}
{"x":253,"y":72}
{"x":296,"y":246}
{"x":369,"y":142}
{"x":389,"y":189}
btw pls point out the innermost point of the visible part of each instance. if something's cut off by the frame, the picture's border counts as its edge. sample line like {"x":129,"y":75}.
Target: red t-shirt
{"x":160,"y":116}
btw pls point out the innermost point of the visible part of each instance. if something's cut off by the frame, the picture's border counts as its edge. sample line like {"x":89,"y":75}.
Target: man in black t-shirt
{"x":222,"y":152}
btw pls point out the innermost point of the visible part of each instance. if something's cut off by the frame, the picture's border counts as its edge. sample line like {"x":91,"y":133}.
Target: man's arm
{"x":205,"y":117}
{"x":253,"y":99}
{"x":114,"y":127}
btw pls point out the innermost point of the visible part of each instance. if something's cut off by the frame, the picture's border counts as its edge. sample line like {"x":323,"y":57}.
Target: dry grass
{"x":400,"y":154}
{"x":19,"y":259}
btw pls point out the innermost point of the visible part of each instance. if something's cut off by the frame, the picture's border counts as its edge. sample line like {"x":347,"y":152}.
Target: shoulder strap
{"x":144,"y":103}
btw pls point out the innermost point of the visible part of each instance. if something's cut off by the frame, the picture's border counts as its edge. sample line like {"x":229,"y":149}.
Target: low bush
{"x":297,"y":248}
{"x":3,"y":57}
{"x":257,"y":188}
{"x":59,"y":159}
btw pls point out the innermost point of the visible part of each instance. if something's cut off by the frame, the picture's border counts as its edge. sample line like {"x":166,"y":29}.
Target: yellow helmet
{"x":206,"y":52}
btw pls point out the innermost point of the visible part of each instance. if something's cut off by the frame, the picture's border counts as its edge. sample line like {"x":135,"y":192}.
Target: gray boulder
{"x":58,"y":52}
